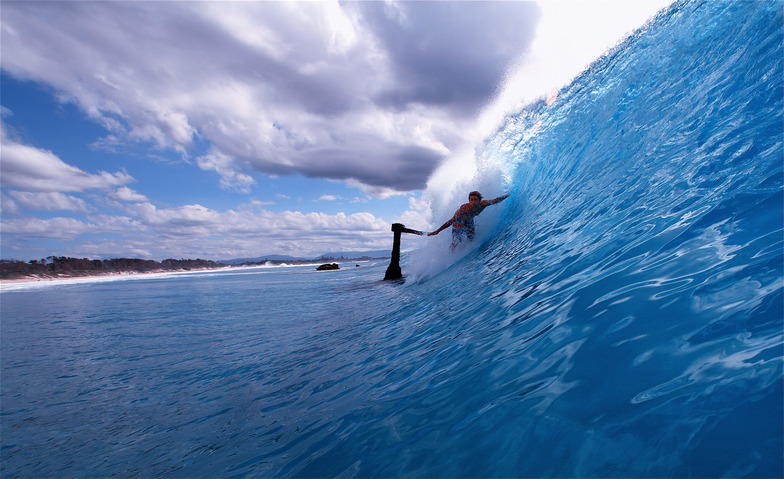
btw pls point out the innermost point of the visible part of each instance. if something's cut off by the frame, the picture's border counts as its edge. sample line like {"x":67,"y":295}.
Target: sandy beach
{"x":43,"y":280}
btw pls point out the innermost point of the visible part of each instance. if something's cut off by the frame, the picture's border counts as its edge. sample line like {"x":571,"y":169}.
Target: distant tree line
{"x":62,"y":266}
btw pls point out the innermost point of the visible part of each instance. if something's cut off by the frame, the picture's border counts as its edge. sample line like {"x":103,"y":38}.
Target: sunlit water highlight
{"x":620,"y":317}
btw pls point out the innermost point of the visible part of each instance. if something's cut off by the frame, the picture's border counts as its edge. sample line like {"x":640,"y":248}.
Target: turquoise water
{"x":621,"y":316}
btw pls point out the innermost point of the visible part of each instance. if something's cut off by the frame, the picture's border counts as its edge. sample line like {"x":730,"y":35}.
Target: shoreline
{"x":45,"y":278}
{"x":87,"y":276}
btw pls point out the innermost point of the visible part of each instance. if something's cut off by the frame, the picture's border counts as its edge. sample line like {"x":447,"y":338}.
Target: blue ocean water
{"x":622,"y":316}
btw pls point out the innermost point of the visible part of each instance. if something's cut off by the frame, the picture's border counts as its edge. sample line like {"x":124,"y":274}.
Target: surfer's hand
{"x":432,"y":233}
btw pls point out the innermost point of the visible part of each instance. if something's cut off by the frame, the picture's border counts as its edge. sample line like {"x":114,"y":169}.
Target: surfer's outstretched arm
{"x":442,"y":228}
{"x":494,"y":200}
{"x":499,"y":199}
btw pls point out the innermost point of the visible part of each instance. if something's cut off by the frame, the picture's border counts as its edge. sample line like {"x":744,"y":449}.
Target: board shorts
{"x":460,"y":234}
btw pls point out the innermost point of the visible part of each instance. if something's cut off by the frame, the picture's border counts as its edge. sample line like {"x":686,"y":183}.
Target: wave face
{"x":624,"y":315}
{"x":620,"y":317}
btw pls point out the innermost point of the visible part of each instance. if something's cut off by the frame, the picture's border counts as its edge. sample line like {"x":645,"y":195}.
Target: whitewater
{"x":621,"y":314}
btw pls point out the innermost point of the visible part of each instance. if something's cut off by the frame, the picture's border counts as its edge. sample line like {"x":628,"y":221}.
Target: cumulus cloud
{"x":126,"y":194}
{"x":372,"y":93}
{"x":198,"y":231}
{"x":197,"y":220}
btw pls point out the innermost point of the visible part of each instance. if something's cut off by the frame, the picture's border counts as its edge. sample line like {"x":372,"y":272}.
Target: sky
{"x":218,"y":130}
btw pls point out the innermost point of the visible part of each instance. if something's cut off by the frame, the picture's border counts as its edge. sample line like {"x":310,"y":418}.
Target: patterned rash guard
{"x":464,"y":217}
{"x":463,"y":221}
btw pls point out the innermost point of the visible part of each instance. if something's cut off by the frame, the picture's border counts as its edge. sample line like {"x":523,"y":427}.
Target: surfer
{"x":463,"y":220}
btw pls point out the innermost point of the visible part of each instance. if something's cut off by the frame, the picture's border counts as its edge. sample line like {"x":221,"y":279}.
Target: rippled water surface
{"x":621,"y":315}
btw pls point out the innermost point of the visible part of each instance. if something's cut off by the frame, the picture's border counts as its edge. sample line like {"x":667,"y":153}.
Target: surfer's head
{"x":475,"y":193}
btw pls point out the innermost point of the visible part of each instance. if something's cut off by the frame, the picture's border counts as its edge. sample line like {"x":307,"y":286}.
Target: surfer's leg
{"x":457,"y":238}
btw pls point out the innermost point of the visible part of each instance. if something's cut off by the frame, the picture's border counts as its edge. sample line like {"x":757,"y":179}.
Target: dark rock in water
{"x":326,"y":267}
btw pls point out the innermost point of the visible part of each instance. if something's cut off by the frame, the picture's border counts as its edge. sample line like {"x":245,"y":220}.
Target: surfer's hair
{"x":475,"y":193}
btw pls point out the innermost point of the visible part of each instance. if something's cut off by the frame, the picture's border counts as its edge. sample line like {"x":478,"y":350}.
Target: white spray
{"x":570,"y":35}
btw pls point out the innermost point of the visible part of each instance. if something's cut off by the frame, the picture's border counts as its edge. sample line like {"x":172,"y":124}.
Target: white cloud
{"x":35,"y":169}
{"x":225,"y":166}
{"x":60,"y":228}
{"x":7,"y":206}
{"x":191,"y":219}
{"x":126,"y":194}
{"x":196,"y":231}
{"x":49,"y":201}
{"x":257,"y":203}
{"x":419,"y":214}
{"x":342,"y":91}
{"x":199,"y":221}
{"x":329,"y":198}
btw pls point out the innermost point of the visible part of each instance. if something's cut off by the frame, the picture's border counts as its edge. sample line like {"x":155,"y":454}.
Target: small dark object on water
{"x":327,"y":267}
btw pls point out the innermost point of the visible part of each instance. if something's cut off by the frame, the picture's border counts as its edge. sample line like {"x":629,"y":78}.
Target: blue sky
{"x":222,"y":129}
